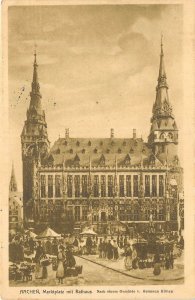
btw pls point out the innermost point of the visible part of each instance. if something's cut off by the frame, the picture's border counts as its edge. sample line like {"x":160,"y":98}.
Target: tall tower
{"x":13,"y":183}
{"x":163,"y":137}
{"x":35,"y":144}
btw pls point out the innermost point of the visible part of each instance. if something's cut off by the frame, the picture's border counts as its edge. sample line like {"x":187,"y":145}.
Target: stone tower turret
{"x":35,"y":144}
{"x":163,"y":137}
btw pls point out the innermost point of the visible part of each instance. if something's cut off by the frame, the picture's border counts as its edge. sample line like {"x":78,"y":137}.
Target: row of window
{"x":81,"y":214}
{"x":82,"y":186}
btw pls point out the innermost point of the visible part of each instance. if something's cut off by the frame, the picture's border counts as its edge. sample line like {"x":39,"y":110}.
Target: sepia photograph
{"x":96,"y":178}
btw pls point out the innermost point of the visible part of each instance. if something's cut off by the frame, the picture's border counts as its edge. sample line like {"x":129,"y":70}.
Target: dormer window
{"x":89,"y":143}
{"x":95,"y":150}
{"x":78,"y":143}
{"x":76,"y":159}
{"x":65,"y":143}
{"x":102,"y":160}
{"x":127,"y":160}
{"x":131,"y":150}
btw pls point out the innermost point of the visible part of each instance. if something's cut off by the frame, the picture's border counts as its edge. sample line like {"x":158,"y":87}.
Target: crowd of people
{"x":60,"y":252}
{"x":41,"y":254}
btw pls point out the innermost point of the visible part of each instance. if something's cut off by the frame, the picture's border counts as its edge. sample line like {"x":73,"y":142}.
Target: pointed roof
{"x":35,"y":103}
{"x":13,"y":183}
{"x":48,"y":232}
{"x":162,"y":74}
{"x":35,"y":82}
{"x":76,"y":158}
{"x":162,"y":106}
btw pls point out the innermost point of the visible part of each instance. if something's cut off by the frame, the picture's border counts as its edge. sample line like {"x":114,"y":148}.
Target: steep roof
{"x":72,"y":151}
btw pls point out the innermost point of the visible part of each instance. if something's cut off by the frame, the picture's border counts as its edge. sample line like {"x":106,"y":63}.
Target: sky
{"x":98,"y":68}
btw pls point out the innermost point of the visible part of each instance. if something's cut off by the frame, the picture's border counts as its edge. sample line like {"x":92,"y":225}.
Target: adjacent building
{"x":15,"y":204}
{"x":107,"y":183}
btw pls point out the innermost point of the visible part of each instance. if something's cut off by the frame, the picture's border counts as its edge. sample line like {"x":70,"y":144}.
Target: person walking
{"x":157,"y":269}
{"x":171,"y":260}
{"x":39,"y":252}
{"x":167,"y":261}
{"x":31,"y":245}
{"x":60,"y":268}
{"x":100,"y":249}
{"x":134,"y":258}
{"x":128,"y":258}
{"x":109,"y":250}
{"x":89,"y":244}
{"x":44,"y":261}
{"x":115,"y":250}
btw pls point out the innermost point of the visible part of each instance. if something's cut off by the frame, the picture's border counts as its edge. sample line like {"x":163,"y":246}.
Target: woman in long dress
{"x":128,"y":258}
{"x":44,"y":263}
{"x":115,"y":250}
{"x":134,"y":258}
{"x":109,"y":250}
{"x":60,"y":269}
{"x":39,"y":267}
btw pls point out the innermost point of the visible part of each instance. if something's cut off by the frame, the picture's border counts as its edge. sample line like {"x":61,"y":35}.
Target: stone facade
{"x":108,"y":183}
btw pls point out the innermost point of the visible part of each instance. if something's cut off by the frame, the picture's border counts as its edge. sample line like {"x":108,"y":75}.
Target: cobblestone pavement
{"x":146,"y":274}
{"x":93,"y":274}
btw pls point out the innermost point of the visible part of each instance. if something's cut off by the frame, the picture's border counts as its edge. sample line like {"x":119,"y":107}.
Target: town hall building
{"x":109,"y":184}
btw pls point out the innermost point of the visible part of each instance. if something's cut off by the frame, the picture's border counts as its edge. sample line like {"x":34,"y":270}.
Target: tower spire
{"x":162,"y":105}
{"x":35,"y":82}
{"x":163,"y":133}
{"x":35,"y":103}
{"x":162,"y":74}
{"x":13,"y":183}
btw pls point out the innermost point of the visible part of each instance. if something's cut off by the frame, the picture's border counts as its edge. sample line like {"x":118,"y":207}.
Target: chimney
{"x":112,"y":133}
{"x":134,"y":133}
{"x":67,"y":133}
